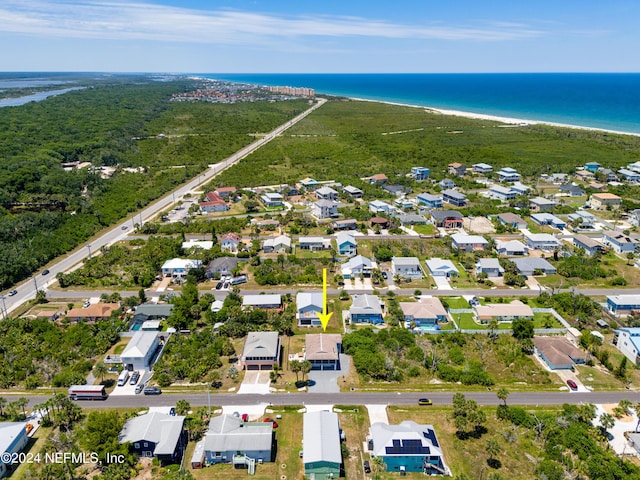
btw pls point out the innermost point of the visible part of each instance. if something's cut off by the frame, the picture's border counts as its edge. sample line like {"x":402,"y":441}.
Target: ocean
{"x":609,"y":101}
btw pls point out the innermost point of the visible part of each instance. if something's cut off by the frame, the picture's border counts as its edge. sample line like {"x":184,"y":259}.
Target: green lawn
{"x":428,"y":229}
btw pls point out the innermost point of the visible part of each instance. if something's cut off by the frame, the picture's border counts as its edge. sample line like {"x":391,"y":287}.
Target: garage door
{"x":253,"y":367}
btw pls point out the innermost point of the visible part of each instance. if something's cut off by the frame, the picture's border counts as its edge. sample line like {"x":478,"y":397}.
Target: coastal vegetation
{"x":123,"y":144}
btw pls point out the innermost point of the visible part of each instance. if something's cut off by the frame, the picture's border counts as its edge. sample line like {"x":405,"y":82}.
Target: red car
{"x":267,"y":420}
{"x":572,"y":384}
{"x":245,"y":417}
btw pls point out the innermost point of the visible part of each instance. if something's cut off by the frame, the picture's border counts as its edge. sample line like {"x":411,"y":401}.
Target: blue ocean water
{"x":609,"y":101}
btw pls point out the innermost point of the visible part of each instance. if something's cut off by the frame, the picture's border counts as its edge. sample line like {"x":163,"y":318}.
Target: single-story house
{"x":490,"y":266}
{"x":623,"y":304}
{"x":572,"y":190}
{"x":397,"y":190}
{"x":548,"y":219}
{"x":261,"y":351}
{"x":427,"y":311}
{"x":321,"y":451}
{"x":347,"y":244}
{"x":619,"y":242}
{"x":378,"y":178}
{"x":230,"y":440}
{"x":279,"y":244}
{"x":512,"y":248}
{"x":156,"y":434}
{"x":314,"y":243}
{"x":446,"y":183}
{"x":95,"y":311}
{"x":348,"y":224}
{"x":558,"y":352}
{"x":412,"y":219}
{"x":270,"y":301}
{"x":268,"y":224}
{"x":229,"y":242}
{"x":13,"y":438}
{"x":468,"y":243}
{"x":141,"y":351}
{"x":308,"y":306}
{"x":541,"y":241}
{"x":430,"y":200}
{"x":447,"y":218}
{"x":202,"y":244}
{"x":357,"y":266}
{"x":407,"y":447}
{"x":541,"y":204}
{"x":379,"y":222}
{"x":178,"y":268}
{"x":502,"y":312}
{"x":439,"y":267}
{"x":366,"y":308}
{"x":582,"y":219}
{"x":323,"y":350}
{"x":628,"y":342}
{"x":408,"y":267}
{"x":512,"y":220}
{"x":589,"y":245}
{"x":528,"y":266}
{"x":454,"y":198}
{"x":221,"y":266}
{"x":353,"y":191}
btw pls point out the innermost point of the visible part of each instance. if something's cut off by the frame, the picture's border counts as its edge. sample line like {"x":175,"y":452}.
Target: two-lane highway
{"x":27,"y":290}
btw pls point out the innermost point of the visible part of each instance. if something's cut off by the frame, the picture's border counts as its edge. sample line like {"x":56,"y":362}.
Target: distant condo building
{"x":297,"y":91}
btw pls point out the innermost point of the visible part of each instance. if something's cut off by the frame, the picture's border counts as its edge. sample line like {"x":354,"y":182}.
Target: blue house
{"x":407,"y":447}
{"x":366,"y":309}
{"x":623,"y":304}
{"x":420,"y":173}
{"x":548,"y":219}
{"x":446,"y":183}
{"x":619,"y":242}
{"x":431,"y":201}
{"x":347,"y":244}
{"x":589,"y":245}
{"x":592,"y":166}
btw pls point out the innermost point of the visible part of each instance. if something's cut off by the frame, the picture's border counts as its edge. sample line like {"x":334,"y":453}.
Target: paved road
{"x":27,"y":290}
{"x":355,"y":398}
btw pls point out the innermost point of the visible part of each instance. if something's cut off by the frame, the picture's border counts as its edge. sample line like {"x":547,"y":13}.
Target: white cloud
{"x":119,"y":20}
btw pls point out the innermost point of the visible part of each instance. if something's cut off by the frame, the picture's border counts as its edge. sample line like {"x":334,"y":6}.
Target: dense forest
{"x":125,"y":123}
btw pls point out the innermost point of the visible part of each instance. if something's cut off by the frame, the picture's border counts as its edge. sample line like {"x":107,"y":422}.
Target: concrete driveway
{"x":442,"y":283}
{"x":255,"y":381}
{"x":326,"y":381}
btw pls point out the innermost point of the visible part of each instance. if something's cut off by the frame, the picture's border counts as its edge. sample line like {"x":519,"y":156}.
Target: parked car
{"x":45,"y":272}
{"x":152,"y":391}
{"x":139,"y":388}
{"x":13,"y":292}
{"x":245,"y":417}
{"x":425,"y":401}
{"x":572,"y":385}
{"x":367,"y":466}
{"x":135,"y":376}
{"x":219,"y":285}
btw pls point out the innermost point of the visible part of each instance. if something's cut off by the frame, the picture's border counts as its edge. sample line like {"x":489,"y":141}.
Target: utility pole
{"x":5,"y":315}
{"x":89,"y":247}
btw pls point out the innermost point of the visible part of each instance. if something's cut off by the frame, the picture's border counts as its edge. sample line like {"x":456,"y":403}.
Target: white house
{"x":628,"y":342}
{"x":281,"y":243}
{"x":326,"y":193}
{"x":439,"y":267}
{"x":229,"y":242}
{"x":541,"y":241}
{"x":308,"y":306}
{"x":468,"y":243}
{"x":508,"y":174}
{"x":178,"y":268}
{"x":512,"y":248}
{"x":490,"y":266}
{"x":357,"y":266}
{"x":325,"y":209}
{"x":140,"y":351}
{"x":408,"y":267}
{"x":314,"y":243}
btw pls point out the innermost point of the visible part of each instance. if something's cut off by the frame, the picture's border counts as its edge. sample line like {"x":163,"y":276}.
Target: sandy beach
{"x":506,"y":120}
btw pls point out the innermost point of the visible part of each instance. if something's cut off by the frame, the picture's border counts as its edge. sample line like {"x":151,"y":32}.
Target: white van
{"x":122,"y":379}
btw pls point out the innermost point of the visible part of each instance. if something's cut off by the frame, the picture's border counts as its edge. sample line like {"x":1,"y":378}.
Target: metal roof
{"x":229,"y":433}
{"x":321,"y":438}
{"x":160,"y":428}
{"x":261,"y":344}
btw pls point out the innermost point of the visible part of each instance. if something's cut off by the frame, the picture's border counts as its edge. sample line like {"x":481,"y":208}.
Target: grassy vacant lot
{"x":469,"y":456}
{"x":344,"y":141}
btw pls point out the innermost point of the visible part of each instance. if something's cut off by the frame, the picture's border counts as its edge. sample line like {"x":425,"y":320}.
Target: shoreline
{"x":495,"y":118}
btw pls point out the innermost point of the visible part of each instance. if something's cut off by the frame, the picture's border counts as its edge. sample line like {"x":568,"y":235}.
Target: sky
{"x":321,"y":36}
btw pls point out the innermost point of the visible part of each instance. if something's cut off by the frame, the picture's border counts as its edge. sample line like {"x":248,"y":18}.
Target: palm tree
{"x":378,"y":466}
{"x":606,"y":422}
{"x":503,"y":394}
{"x":305,"y":368}
{"x":296,"y":367}
{"x":493,"y":448}
{"x":182,"y":407}
{"x":625,"y":405}
{"x":22,"y":402}
{"x":100,"y":370}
